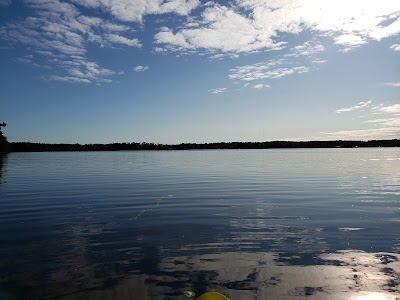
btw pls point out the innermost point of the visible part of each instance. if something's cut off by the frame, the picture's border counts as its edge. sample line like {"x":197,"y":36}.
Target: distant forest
{"x":37,"y":147}
{"x":5,"y":146}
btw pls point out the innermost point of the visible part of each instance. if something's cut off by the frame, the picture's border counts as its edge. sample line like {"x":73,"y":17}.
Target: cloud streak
{"x":217,"y":90}
{"x":360,"y":105}
{"x":386,"y":127}
{"x":118,"y":39}
{"x":140,"y":68}
{"x":272,"y":69}
{"x":393,"y":84}
{"x":363,"y":134}
{"x":309,"y":48}
{"x":260,"y":86}
{"x":395,"y":47}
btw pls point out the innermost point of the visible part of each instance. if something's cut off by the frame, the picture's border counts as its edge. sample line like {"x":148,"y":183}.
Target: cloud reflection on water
{"x":343,"y":275}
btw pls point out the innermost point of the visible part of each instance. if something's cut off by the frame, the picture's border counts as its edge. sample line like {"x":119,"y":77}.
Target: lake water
{"x":251,"y":224}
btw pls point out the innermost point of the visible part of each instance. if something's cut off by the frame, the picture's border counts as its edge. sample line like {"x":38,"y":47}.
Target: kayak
{"x":212,"y":296}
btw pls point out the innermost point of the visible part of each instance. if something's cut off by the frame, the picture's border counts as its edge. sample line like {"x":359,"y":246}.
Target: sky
{"x":180,"y":71}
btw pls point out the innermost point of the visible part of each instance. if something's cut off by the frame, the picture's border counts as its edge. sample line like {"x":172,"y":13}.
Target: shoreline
{"x":46,"y":147}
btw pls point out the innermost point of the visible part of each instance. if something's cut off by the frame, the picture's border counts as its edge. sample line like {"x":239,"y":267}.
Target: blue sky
{"x":102,"y":71}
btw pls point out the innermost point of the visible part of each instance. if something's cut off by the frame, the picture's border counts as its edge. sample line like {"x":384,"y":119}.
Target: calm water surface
{"x":252,"y":224}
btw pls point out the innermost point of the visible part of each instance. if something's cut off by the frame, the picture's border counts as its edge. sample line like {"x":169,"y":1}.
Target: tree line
{"x":37,"y":147}
{"x":5,"y":146}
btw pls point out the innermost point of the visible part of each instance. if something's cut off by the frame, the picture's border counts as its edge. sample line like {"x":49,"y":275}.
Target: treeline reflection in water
{"x":3,"y":159}
{"x":116,"y":236}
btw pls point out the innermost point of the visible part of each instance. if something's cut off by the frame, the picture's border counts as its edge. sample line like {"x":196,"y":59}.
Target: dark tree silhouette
{"x":4,"y":145}
{"x":35,"y":147}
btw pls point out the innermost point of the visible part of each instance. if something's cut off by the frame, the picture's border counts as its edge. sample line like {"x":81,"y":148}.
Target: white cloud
{"x":308,"y":48}
{"x":319,"y":61}
{"x":222,"y":29}
{"x":221,"y":56}
{"x":393,"y":84}
{"x":70,"y":79}
{"x":252,"y":25}
{"x":135,"y":10}
{"x":392,"y":109}
{"x":395,"y":47}
{"x":140,"y":68}
{"x":217,"y":91}
{"x":350,"y":41}
{"x":115,"y":38}
{"x":380,"y":108}
{"x":61,"y":34}
{"x":356,"y":107}
{"x":85,"y":71}
{"x":176,"y":40}
{"x":261,"y":86}
{"x":267,"y":70}
{"x":160,"y":50}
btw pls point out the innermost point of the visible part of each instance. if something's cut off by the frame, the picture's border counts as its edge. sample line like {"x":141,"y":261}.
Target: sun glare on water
{"x":373,"y":296}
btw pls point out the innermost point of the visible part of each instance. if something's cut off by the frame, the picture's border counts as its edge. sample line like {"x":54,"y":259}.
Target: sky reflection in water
{"x":261,"y":224}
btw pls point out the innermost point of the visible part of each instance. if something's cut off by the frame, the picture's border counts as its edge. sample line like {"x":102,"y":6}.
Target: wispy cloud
{"x":272,"y":69}
{"x":70,"y":79}
{"x":318,"y":61}
{"x":140,"y":68}
{"x":380,"y":108}
{"x":27,"y":59}
{"x":260,"y":86}
{"x":115,"y":38}
{"x":61,"y":32}
{"x":393,"y":84}
{"x":392,"y":109}
{"x":217,"y":90}
{"x":385,"y":127}
{"x":224,"y":55}
{"x":362,"y":134}
{"x":60,"y":36}
{"x":390,"y":122}
{"x":360,"y":105}
{"x":395,"y":47}
{"x":308,"y":48}
{"x":5,"y":2}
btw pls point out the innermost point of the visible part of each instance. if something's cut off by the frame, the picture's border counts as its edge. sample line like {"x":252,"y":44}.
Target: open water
{"x":251,"y":224}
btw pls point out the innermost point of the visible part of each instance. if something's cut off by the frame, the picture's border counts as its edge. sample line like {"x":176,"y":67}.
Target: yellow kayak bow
{"x":212,"y":296}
